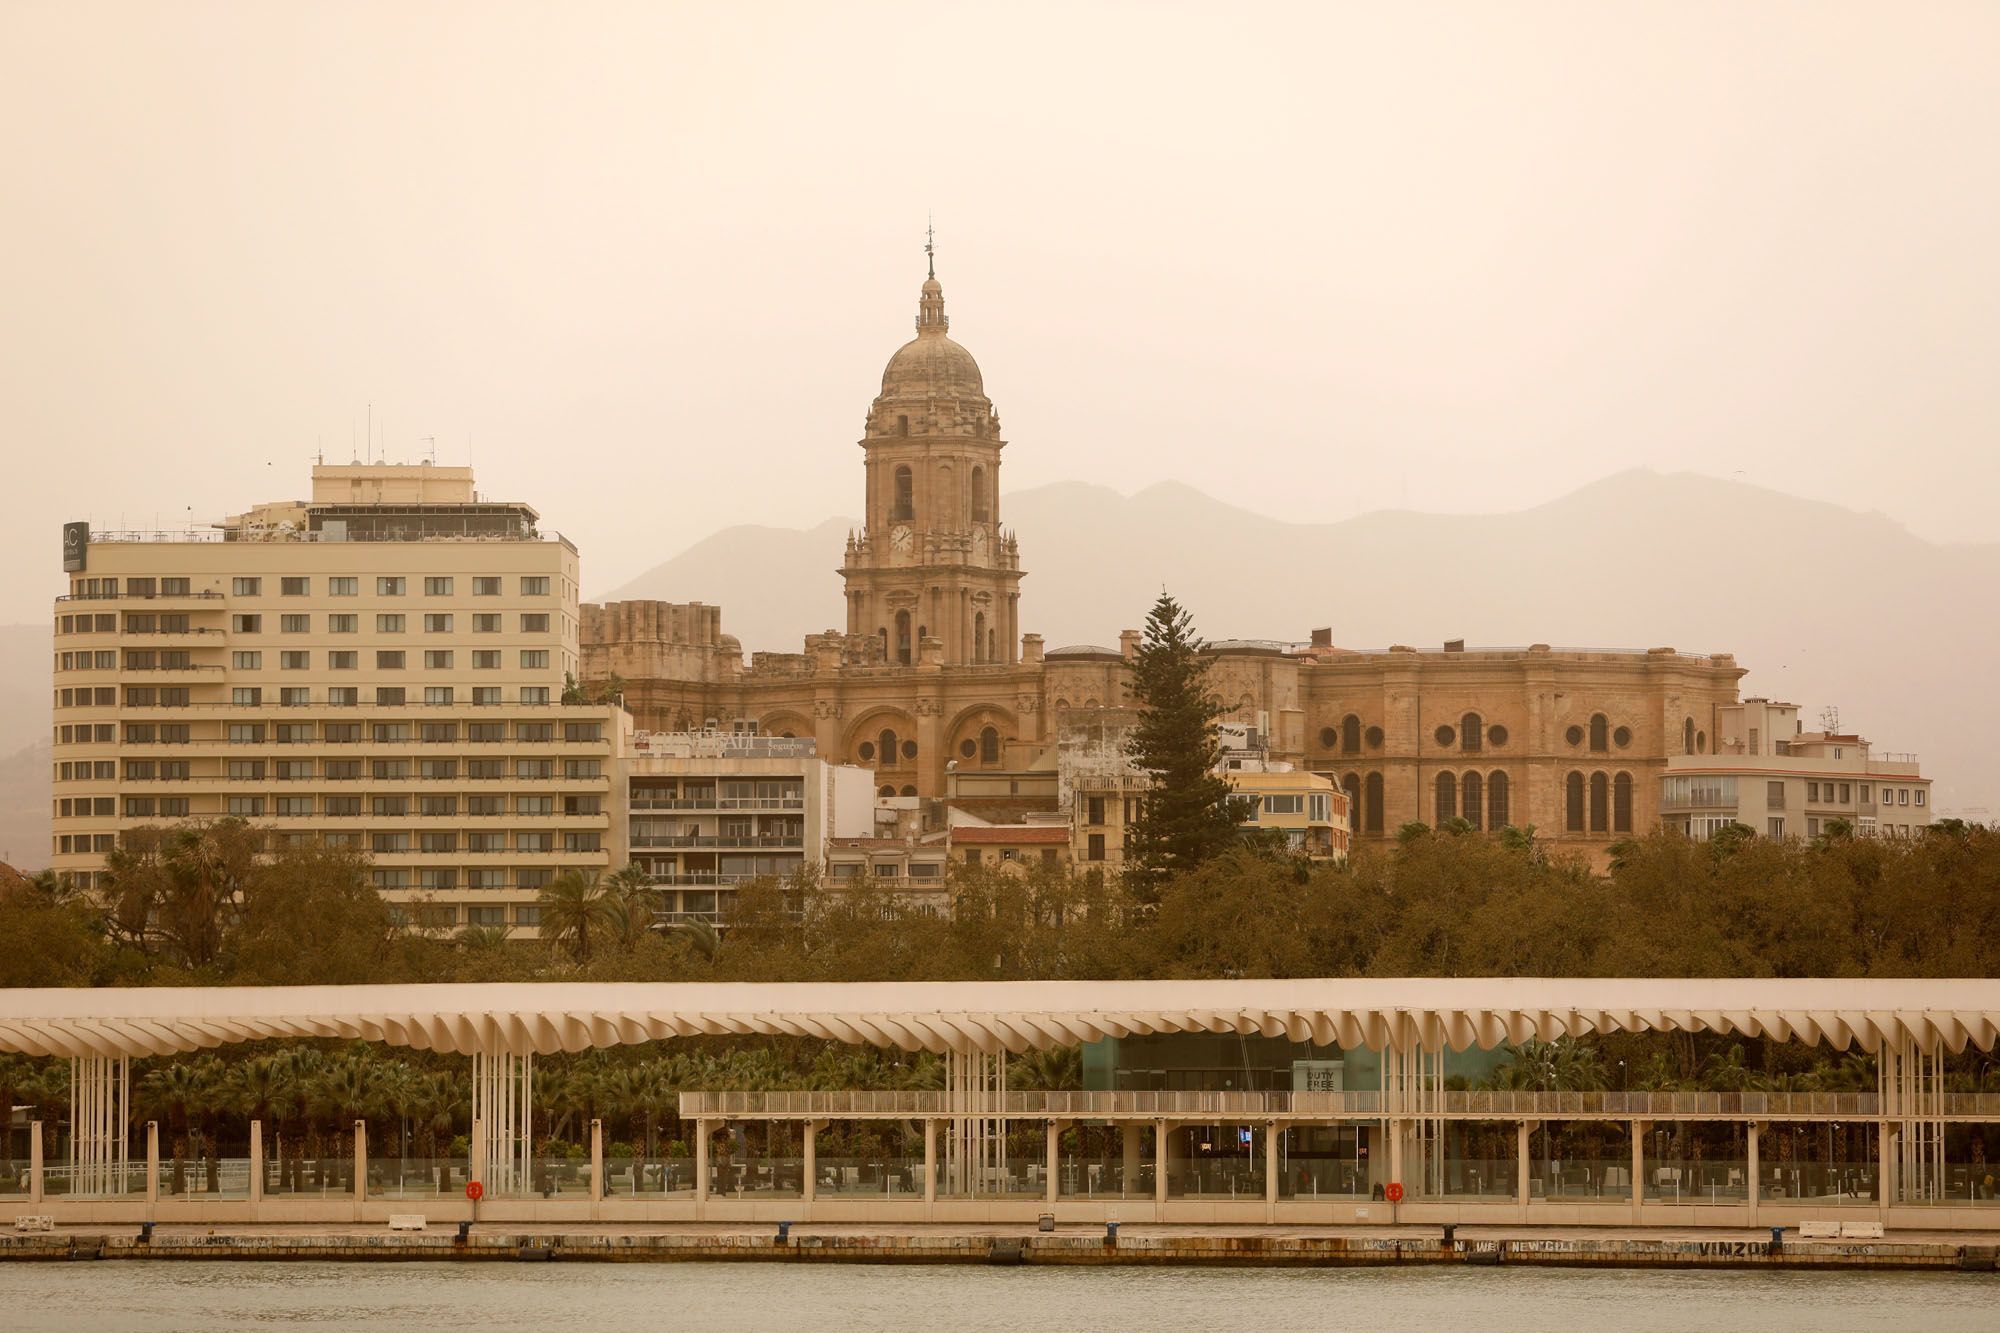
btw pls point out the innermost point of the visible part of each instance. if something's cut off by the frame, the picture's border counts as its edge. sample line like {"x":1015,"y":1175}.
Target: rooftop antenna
{"x":1829,"y":720}
{"x":371,"y":432}
{"x":432,"y":440}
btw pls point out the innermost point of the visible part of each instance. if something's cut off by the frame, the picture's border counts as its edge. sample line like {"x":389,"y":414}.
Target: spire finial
{"x":930,"y":244}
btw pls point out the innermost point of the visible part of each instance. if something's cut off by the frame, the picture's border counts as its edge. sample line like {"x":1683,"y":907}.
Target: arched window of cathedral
{"x":884,"y":634}
{"x":1687,"y":736}
{"x":1444,"y":735}
{"x":1472,"y":798}
{"x":1496,"y":801}
{"x":1573,"y":802}
{"x":1328,"y":738}
{"x":981,"y":510}
{"x":1600,"y":732}
{"x":909,"y":791}
{"x":906,"y":499}
{"x":886,"y":791}
{"x":979,"y":636}
{"x":989,"y":746}
{"x":1447,"y":798}
{"x":1374,"y":738}
{"x":909,"y":749}
{"x":1574,"y":735}
{"x":923,"y":632}
{"x":1621,"y":804}
{"x":992,"y":645}
{"x":865,"y":750}
{"x":1350,"y":734}
{"x":885,"y":745}
{"x":1371,"y":790}
{"x":1600,"y":803}
{"x":1496,"y":735}
{"x":1622,"y":737}
{"x":1471,"y":731}
{"x":903,"y":637}
{"x":902,"y":425}
{"x":1351,"y":784}
{"x":1701,"y":742}
{"x":968,"y":747}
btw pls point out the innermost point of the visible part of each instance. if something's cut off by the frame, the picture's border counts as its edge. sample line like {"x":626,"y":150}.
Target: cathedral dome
{"x":931,"y":364}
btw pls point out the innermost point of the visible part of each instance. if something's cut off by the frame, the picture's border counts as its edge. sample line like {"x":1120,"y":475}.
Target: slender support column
{"x":1129,"y":1133}
{"x":35,"y":1185}
{"x":596,"y":1161}
{"x":360,"y":1160}
{"x":1397,"y":1129}
{"x":809,"y":1186}
{"x":256,"y":1162}
{"x":930,"y":1162}
{"x":1638,"y":1166}
{"x":1885,"y":1170}
{"x":700,"y":1167}
{"x":1522,"y":1132}
{"x":475,"y":1166}
{"x":1750,"y":1166}
{"x":1271,"y":1133}
{"x":1163,"y":1136}
{"x":1051,"y":1160}
{"x":152,"y":1162}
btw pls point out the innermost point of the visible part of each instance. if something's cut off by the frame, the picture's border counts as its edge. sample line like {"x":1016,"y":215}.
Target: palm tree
{"x":174,"y":1093}
{"x":701,"y":936}
{"x":257,"y":1088}
{"x":577,"y":912}
{"x":348,"y":1089}
{"x":1053,"y":1070}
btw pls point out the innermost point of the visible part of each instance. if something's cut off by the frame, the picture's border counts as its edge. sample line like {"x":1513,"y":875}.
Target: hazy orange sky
{"x":642,"y":264}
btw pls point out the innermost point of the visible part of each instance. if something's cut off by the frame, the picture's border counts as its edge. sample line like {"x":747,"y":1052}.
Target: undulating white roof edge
{"x":1431,"y":1013}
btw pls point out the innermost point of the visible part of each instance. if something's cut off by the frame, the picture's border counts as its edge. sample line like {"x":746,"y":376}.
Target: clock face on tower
{"x":899,"y":540}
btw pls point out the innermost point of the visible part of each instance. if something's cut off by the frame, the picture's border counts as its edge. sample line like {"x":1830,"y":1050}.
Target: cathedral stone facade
{"x":933,"y":674}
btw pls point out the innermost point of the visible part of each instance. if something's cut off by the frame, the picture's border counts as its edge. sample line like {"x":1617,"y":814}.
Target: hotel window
{"x":485,"y":842}
{"x":1095,"y":849}
{"x":388,"y":624}
{"x":486,"y":623}
{"x":437,"y":806}
{"x":484,"y":696}
{"x":341,"y":807}
{"x":483,"y":805}
{"x":343,"y":733}
{"x":343,"y":624}
{"x":438,"y":659}
{"x":390,"y":587}
{"x":343,"y":696}
{"x":339,"y":660}
{"x":534,"y":768}
{"x":136,"y":770}
{"x":534,"y":659}
{"x":244,"y":806}
{"x":486,"y":659}
{"x":175,"y":587}
{"x":343,"y":587}
{"x":246,"y":624}
{"x":392,"y":879}
{"x":1920,"y":796}
{"x":1865,"y":790}
{"x":246,"y":587}
{"x":388,"y":842}
{"x":247,"y":696}
{"x":485,"y":770}
{"x":437,"y":587}
{"x":293,"y":770}
{"x":486,"y":585}
{"x":486,"y":879}
{"x":389,"y":696}
{"x":438,"y":732}
{"x":294,"y":661}
{"x":388,"y":659}
{"x":242,"y":661}
{"x":534,"y":842}
{"x":294,"y":587}
{"x":1284,"y":805}
{"x":1812,"y":792}
{"x":437,"y":624}
{"x":1094,"y":812}
{"x":138,"y":807}
{"x":534,"y":805}
{"x":343,"y":770}
{"x":293,"y":806}
{"x":1775,"y":827}
{"x":487,"y":916}
{"x":1902,"y":796}
{"x":535,"y":623}
{"x":1846,"y":793}
{"x":437,"y":842}
{"x":536,"y":585}
{"x":389,"y":733}
{"x":173,"y":807}
{"x":583,"y":842}
{"x":293,"y":733}
{"x":535,"y":731}
{"x":534,"y":694}
{"x":438,"y":694}
{"x":1774,"y":795}
{"x":583,"y":731}
{"x":583,"y":768}
{"x":294,"y":624}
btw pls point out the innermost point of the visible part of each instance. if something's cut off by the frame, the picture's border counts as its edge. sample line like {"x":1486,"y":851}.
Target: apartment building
{"x":381,"y":666}
{"x":706,"y":811}
{"x":1771,"y":775}
{"x":1306,"y":810}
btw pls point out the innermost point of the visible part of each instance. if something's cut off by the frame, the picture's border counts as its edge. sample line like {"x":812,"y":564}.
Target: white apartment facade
{"x":382,"y":667}
{"x":1772,"y":776}
{"x":706,"y":812}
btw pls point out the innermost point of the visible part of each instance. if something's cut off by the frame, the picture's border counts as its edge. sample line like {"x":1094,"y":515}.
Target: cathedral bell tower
{"x":932,"y":561}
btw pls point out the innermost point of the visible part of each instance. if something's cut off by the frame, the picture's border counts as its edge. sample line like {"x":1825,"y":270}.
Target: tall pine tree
{"x":1189,"y":816}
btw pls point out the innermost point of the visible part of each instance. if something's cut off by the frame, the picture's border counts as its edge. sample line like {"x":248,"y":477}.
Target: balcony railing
{"x":793,"y":840}
{"x":1833,"y":1106}
{"x":641,"y":805}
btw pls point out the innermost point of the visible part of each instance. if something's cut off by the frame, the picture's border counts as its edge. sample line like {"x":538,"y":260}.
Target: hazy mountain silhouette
{"x":1824,"y":605}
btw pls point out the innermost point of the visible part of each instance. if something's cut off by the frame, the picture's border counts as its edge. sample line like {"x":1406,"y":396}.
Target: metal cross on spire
{"x":930,"y":245}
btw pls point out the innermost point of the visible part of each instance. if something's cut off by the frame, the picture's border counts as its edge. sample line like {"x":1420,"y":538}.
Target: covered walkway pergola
{"x":1909,"y":1026}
